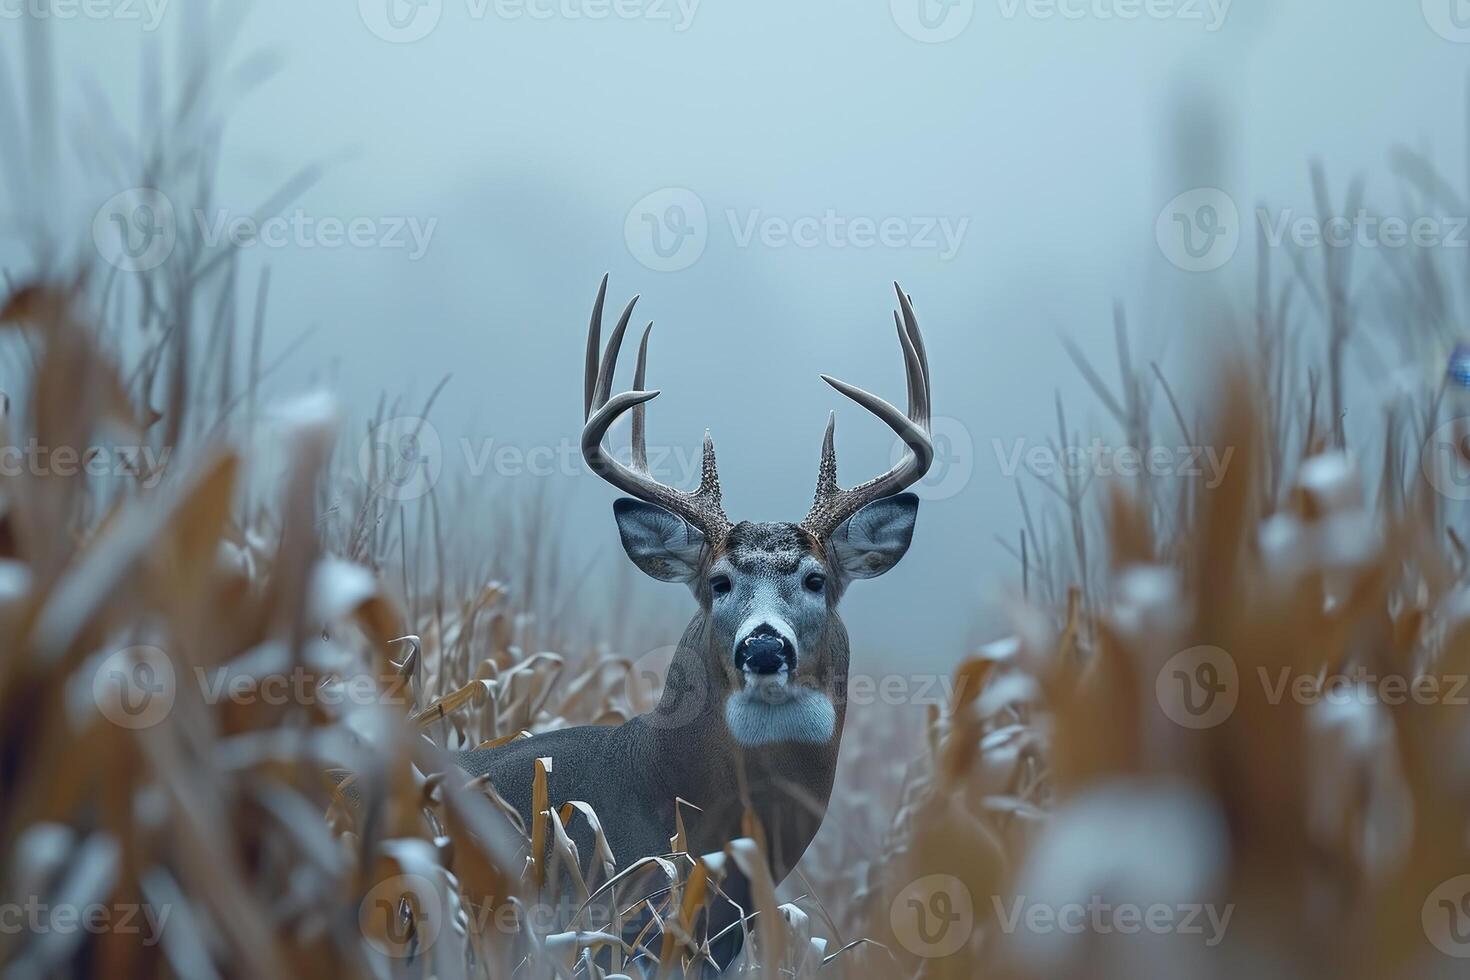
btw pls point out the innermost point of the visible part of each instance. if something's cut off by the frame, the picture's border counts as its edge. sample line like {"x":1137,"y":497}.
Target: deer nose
{"x":764,"y":651}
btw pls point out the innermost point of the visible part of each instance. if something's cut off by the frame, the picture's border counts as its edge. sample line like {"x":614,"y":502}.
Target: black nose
{"x":764,"y":651}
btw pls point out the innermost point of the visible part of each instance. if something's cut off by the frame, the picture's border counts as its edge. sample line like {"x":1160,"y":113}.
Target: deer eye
{"x":815,"y":582}
{"x":719,"y":584}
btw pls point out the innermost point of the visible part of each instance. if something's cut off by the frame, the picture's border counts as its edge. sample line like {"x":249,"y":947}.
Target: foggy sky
{"x":524,"y":141}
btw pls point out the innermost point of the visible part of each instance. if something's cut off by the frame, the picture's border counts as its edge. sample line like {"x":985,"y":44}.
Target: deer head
{"x":768,"y":633}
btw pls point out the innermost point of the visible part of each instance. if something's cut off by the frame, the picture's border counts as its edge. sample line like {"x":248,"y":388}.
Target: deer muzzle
{"x":765,"y":651}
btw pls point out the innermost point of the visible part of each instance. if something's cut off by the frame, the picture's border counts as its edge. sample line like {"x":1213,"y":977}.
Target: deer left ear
{"x":658,"y":541}
{"x":872,"y":541}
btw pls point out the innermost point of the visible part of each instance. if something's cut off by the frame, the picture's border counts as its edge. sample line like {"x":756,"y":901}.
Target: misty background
{"x":1016,"y":157}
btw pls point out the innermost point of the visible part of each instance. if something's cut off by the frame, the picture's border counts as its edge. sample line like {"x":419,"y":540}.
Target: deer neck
{"x":785,"y":784}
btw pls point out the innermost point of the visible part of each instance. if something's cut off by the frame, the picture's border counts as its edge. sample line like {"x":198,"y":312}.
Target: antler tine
{"x":832,"y":505}
{"x":594,"y":350}
{"x":911,"y":323}
{"x":827,"y":469}
{"x":914,"y":376}
{"x":640,"y":442}
{"x":916,"y":361}
{"x":701,"y":507}
{"x":610,"y":357}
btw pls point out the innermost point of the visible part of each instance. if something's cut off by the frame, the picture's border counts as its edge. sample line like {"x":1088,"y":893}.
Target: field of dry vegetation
{"x":1185,"y":761}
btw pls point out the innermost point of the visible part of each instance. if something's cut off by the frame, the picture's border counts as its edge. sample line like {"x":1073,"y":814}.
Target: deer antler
{"x":832,"y":505}
{"x":601,"y":409}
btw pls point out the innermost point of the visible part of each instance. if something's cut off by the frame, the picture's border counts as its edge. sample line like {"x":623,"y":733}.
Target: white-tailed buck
{"x":754,"y":701}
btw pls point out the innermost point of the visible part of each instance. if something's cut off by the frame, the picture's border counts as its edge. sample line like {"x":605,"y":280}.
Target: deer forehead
{"x":768,"y":548}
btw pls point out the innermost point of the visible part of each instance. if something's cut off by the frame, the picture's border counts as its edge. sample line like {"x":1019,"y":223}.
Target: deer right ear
{"x":658,"y":541}
{"x":872,"y":541}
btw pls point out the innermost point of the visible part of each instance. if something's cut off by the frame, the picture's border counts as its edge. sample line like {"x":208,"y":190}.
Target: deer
{"x":753,"y":704}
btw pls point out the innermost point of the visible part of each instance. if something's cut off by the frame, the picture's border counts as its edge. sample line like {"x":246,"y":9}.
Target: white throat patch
{"x":771,"y":710}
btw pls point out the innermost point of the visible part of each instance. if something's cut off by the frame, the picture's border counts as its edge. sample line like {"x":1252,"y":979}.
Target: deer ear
{"x":872,"y":541}
{"x":659,"y":542}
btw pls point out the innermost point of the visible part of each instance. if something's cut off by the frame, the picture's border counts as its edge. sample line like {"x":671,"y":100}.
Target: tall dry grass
{"x":197,"y":646}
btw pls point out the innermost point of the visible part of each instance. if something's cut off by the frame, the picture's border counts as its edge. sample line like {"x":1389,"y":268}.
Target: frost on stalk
{"x":15,"y":583}
{"x":1329,"y":482}
{"x":1150,"y":608}
{"x":338,"y":588}
{"x":1359,"y":798}
{"x":1327,"y":530}
{"x":1156,"y":847}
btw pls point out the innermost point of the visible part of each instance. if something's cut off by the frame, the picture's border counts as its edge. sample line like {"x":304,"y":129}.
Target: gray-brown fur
{"x":632,"y":773}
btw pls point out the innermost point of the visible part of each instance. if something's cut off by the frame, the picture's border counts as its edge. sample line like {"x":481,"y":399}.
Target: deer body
{"x":755,"y":699}
{"x":685,"y":750}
